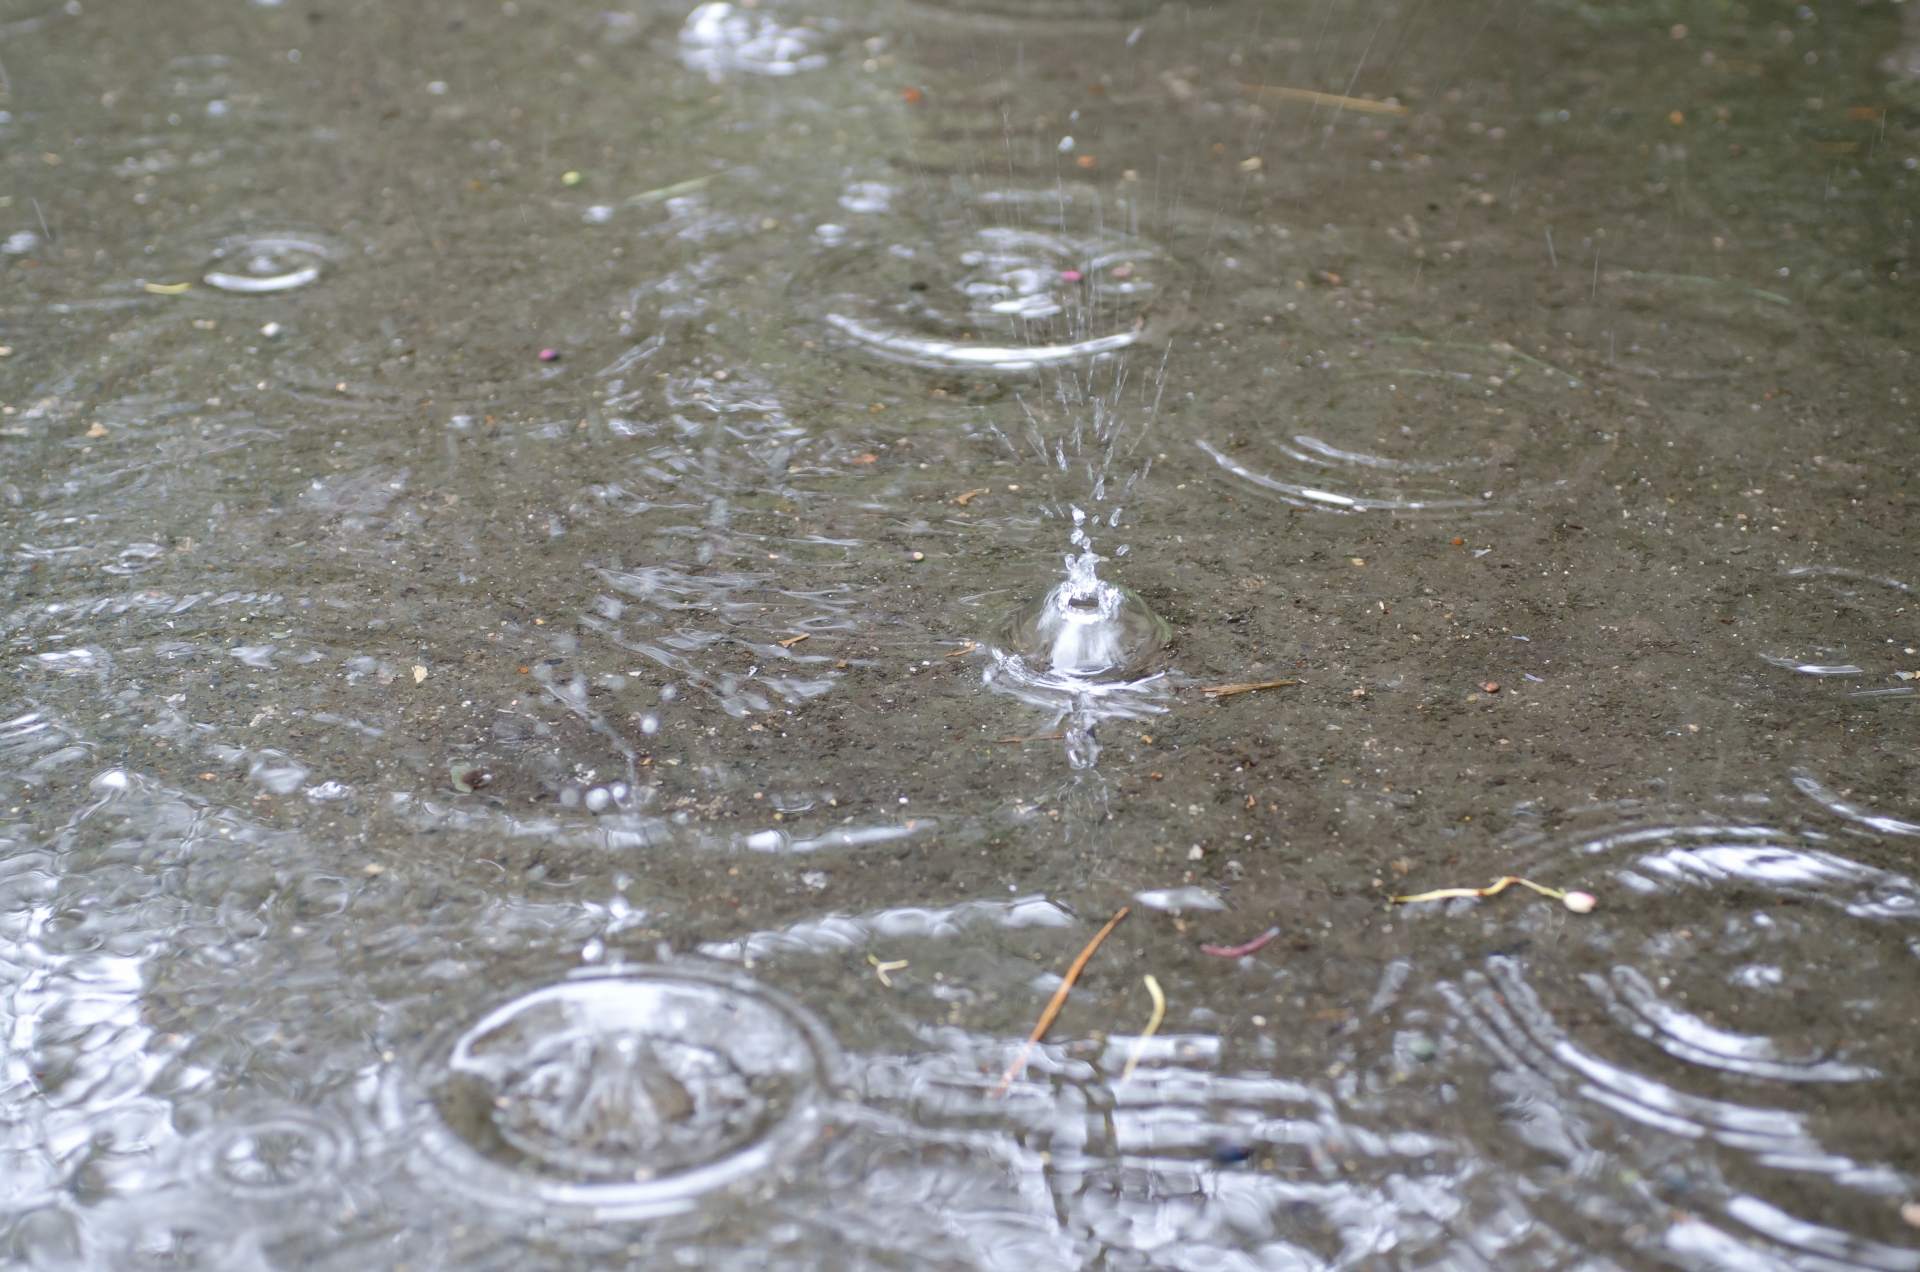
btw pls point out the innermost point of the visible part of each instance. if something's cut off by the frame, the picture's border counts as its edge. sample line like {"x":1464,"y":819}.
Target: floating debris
{"x":1324,"y":99}
{"x":1700,"y":281}
{"x":1054,"y":1004}
{"x":1153,"y":1026}
{"x":663,"y":193}
{"x":1227,"y":691}
{"x":1578,"y":902}
{"x":468,"y":778}
{"x":1241,"y":951}
{"x":881,"y":969}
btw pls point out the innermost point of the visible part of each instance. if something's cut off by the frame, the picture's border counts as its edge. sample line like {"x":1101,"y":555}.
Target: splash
{"x":1087,"y":628}
{"x":1080,"y":650}
{"x":719,"y":38}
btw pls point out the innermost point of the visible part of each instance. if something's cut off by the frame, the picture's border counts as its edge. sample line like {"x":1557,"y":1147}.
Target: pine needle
{"x":1153,"y":1027}
{"x":1223,"y":691}
{"x":1056,"y":1002}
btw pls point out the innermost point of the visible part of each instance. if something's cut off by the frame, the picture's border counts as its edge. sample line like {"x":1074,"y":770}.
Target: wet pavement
{"x":599,"y":603}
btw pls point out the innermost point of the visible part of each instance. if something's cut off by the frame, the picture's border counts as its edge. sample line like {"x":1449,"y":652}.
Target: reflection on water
{"x":599,"y":604}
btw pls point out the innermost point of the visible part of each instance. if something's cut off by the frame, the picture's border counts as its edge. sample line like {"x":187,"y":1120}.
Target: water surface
{"x":599,"y":602}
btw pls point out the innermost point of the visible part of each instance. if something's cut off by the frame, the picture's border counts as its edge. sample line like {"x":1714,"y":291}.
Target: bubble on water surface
{"x":255,"y":263}
{"x":1316,"y":496}
{"x":629,"y":1092}
{"x":718,"y":38}
{"x":1003,"y":281}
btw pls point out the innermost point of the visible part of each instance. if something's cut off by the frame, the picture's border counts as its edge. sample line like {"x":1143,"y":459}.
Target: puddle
{"x":589,"y":645}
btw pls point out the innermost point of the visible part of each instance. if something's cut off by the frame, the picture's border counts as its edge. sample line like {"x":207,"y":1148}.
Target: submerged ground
{"x":522,"y":745}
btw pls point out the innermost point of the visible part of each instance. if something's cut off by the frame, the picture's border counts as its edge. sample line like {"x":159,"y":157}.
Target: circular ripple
{"x":627,"y":1092}
{"x":283,"y":1154}
{"x":1009,"y":280}
{"x":270,"y":262}
{"x":1729,"y":1029}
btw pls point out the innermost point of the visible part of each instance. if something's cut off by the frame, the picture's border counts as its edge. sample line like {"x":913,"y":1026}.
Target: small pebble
{"x":1491,"y":687}
{"x":1070,"y":275}
{"x":1579,"y":902}
{"x":916,"y":556}
{"x":571,"y":178}
{"x":549,"y":355}
{"x":271,"y":330}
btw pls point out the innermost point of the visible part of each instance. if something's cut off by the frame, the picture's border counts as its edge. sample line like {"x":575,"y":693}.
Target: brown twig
{"x":962,"y":653}
{"x":1225,"y":691}
{"x":1056,"y":1002}
{"x":791,"y":641}
{"x":971,"y":495}
{"x":1325,"y":99}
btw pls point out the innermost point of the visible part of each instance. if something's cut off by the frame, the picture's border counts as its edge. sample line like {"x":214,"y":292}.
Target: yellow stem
{"x":1153,"y":1026}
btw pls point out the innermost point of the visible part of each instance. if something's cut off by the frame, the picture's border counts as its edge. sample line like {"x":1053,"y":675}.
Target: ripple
{"x":1689,"y":1064}
{"x":627,"y":1093}
{"x":1824,"y":621}
{"x":257,"y":263}
{"x":282,"y":1154}
{"x":1810,"y":786}
{"x":1323,"y":451}
{"x":1008,"y":280}
{"x":1332,"y":500}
